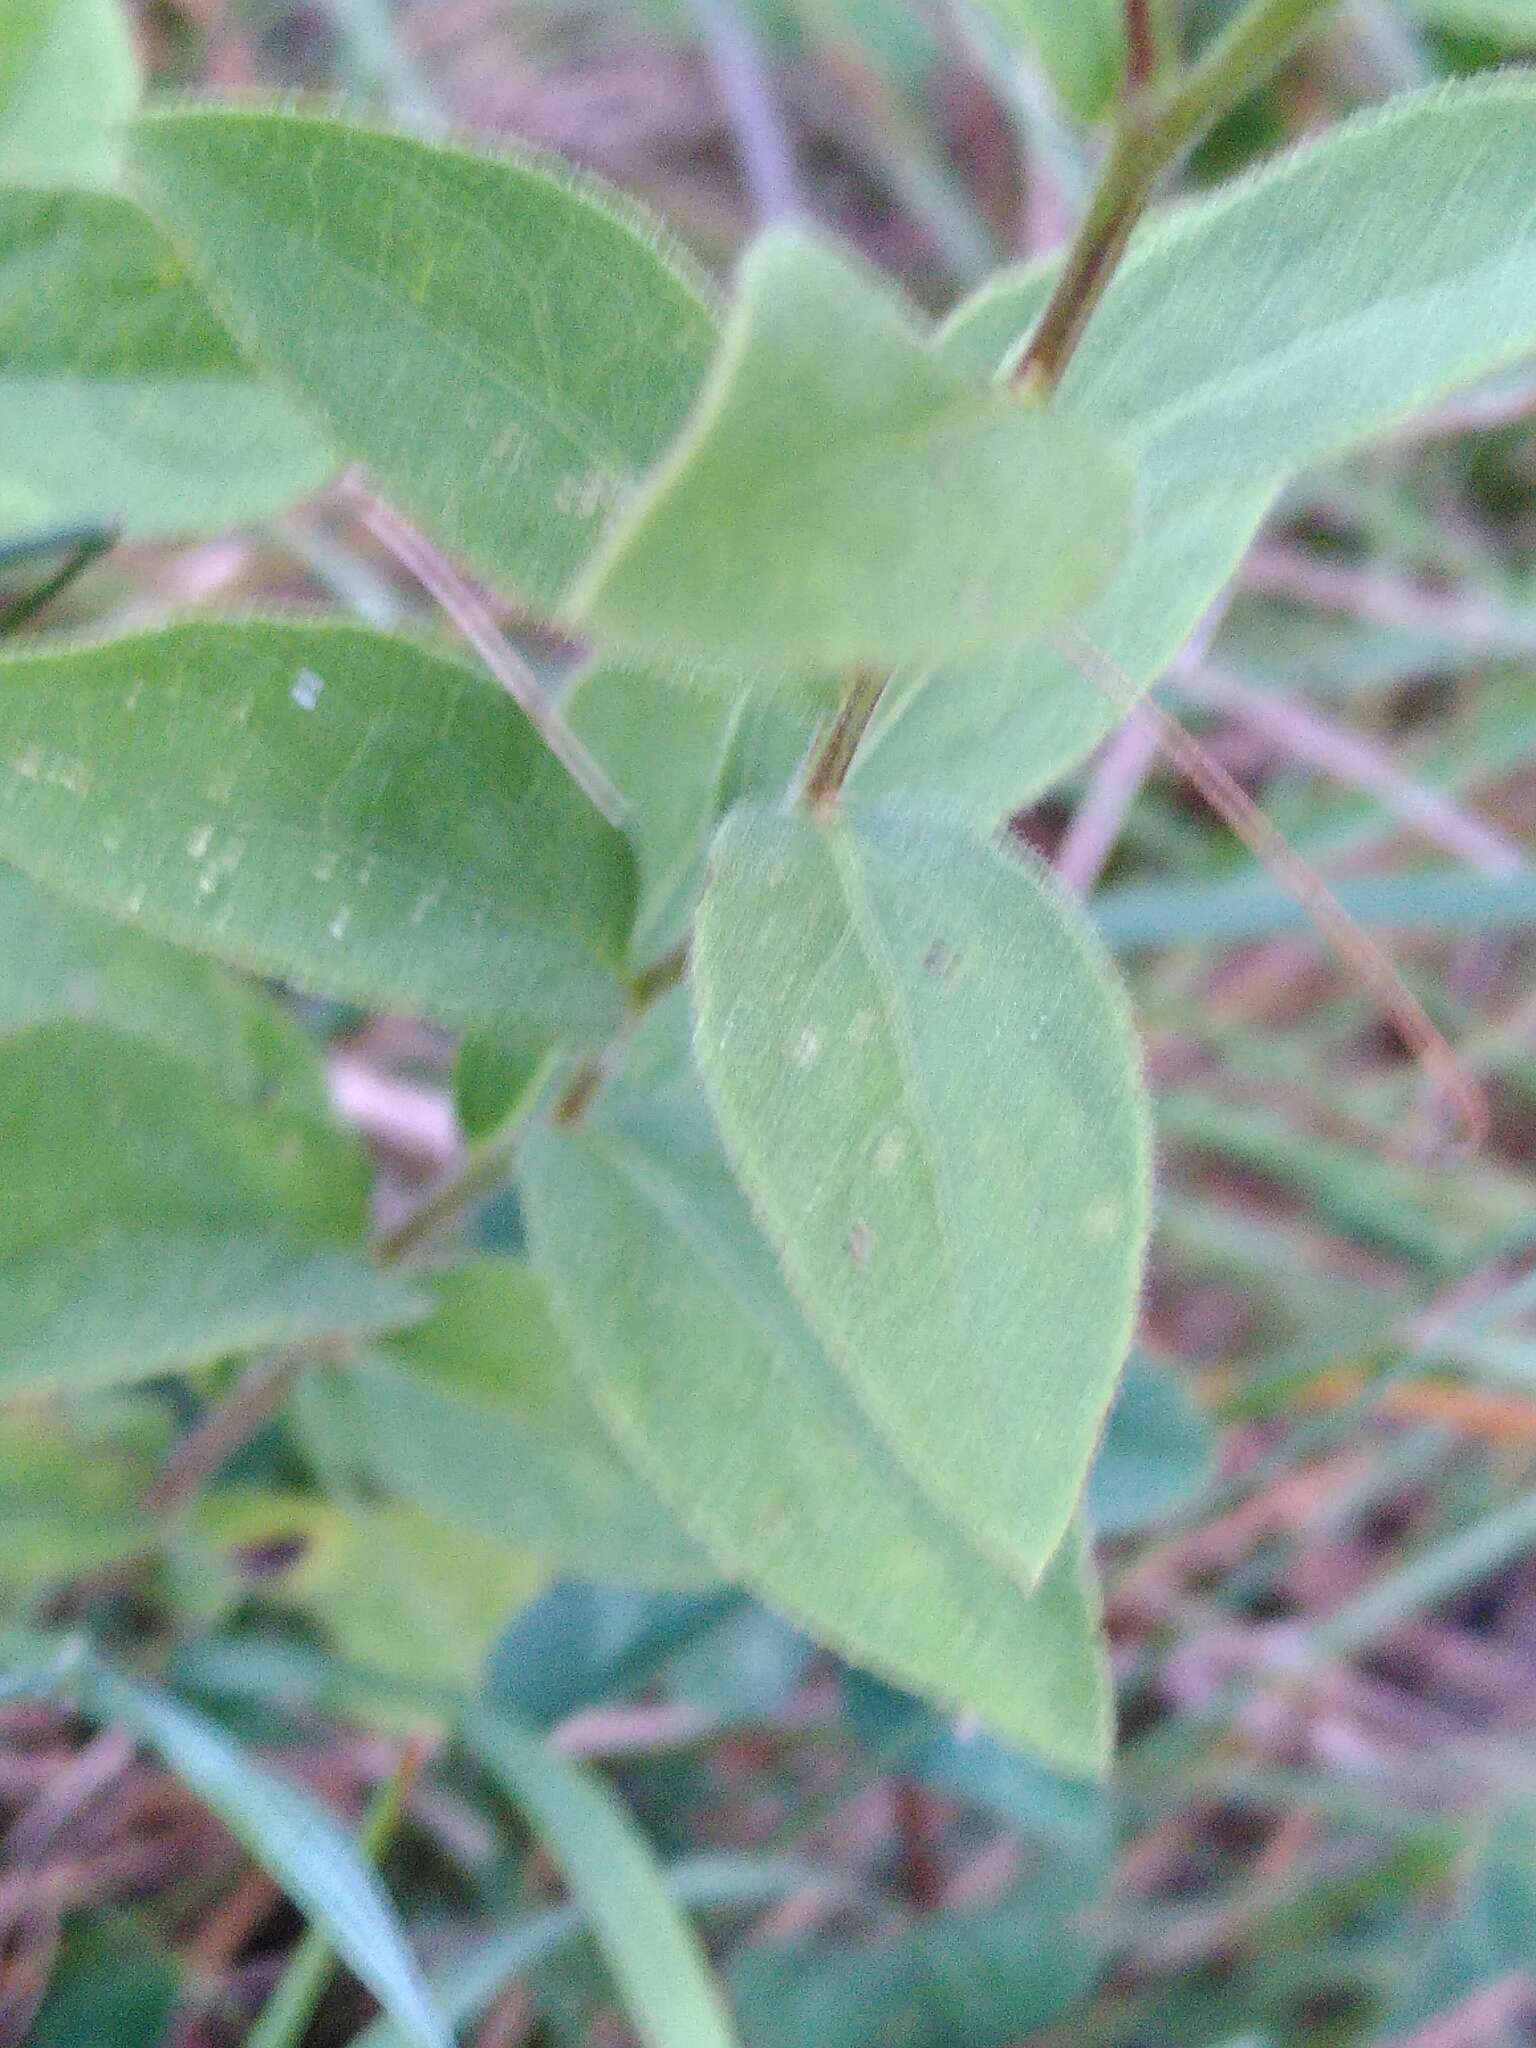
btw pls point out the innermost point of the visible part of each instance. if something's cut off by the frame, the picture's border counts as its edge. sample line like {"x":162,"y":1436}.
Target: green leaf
{"x":1284,"y":319}
{"x":1511,"y":20}
{"x":69,"y":78}
{"x":122,"y":399}
{"x":111,"y":1987}
{"x":63,"y":962}
{"x":73,"y":1479}
{"x":579,"y":1643}
{"x":148,"y":1226}
{"x":288,"y":1833}
{"x":480,"y":1416}
{"x":144,"y":1300}
{"x":843,"y":497}
{"x":956,"y":1980}
{"x":658,"y":1962}
{"x":496,"y":1077}
{"x":683,"y":755}
{"x":707,"y":1373}
{"x":1082,"y":46}
{"x":507,"y":348}
{"x":1156,"y":1455}
{"x":403,"y":1593}
{"x":927,"y":1082}
{"x":325,"y":803}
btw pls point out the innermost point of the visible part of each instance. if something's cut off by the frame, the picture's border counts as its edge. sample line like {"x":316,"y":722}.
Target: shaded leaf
{"x":150,"y":1226}
{"x":704,"y":1368}
{"x":481,"y":1416}
{"x":408,"y":1595}
{"x":495,"y":1078}
{"x":1156,"y":1454}
{"x":1272,"y":325}
{"x":926,"y":1079}
{"x":66,"y":963}
{"x":73,"y":1479}
{"x":288,"y":1833}
{"x":1067,"y":1816}
{"x":110,"y":1988}
{"x":123,"y":401}
{"x":960,"y":1980}
{"x":657,"y":1960}
{"x":68,"y":80}
{"x":843,"y":497}
{"x":467,"y":1984}
{"x":506,"y":346}
{"x":321,"y":802}
{"x":579,"y":1643}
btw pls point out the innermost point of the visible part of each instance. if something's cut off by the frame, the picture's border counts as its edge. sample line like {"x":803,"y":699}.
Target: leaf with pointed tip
{"x":68,"y":80}
{"x":843,"y":497}
{"x":149,"y":1226}
{"x":325,"y":803}
{"x":1248,"y":334}
{"x":481,"y":1416}
{"x":288,"y":1833}
{"x":926,"y":1080}
{"x":709,"y":1376}
{"x":508,"y":347}
{"x":123,"y":401}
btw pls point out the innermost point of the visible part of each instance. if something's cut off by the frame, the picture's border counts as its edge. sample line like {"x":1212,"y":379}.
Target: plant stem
{"x":834,"y":751}
{"x":286,"y":2016}
{"x":86,"y":545}
{"x":481,"y":1171}
{"x":1157,"y":123}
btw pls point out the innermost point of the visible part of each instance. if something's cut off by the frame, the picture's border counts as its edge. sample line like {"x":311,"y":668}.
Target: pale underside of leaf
{"x":927,"y":1082}
{"x":842,"y":497}
{"x":705,"y":1370}
{"x":1273,"y":325}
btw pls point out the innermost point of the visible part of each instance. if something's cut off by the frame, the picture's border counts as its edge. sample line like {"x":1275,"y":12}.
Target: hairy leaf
{"x":507,"y":347}
{"x":325,"y":803}
{"x":68,"y":80}
{"x":705,"y":1369}
{"x":1275,"y":324}
{"x":123,"y":401}
{"x":844,"y":497}
{"x":927,"y":1082}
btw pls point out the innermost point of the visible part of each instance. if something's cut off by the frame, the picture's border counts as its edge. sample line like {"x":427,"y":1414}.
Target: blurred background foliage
{"x":1316,"y":1503}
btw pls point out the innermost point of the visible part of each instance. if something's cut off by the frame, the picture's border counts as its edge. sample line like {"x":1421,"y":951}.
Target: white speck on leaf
{"x":340,"y":922}
{"x":807,"y":1047}
{"x":199,"y":843}
{"x":306,"y":689}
